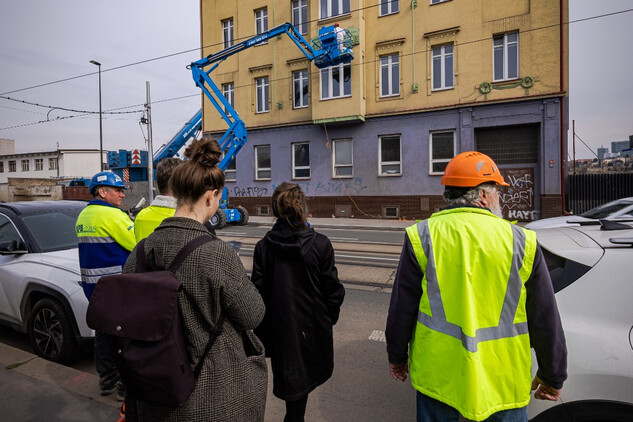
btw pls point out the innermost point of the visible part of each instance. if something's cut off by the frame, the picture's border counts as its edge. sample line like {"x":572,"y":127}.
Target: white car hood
{"x":563,"y":221}
{"x":67,"y":259}
{"x":565,"y":242}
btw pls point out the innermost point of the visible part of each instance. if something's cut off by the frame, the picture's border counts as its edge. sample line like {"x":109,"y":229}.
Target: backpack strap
{"x":219,"y":325}
{"x":186,"y":250}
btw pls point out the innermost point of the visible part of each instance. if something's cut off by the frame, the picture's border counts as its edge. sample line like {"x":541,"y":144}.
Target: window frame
{"x":382,"y":163}
{"x":257,"y":167}
{"x":13,"y":166}
{"x":301,"y":6}
{"x":264,"y":90}
{"x":505,"y":58}
{"x":335,"y":166}
{"x":1,"y":166}
{"x":228,"y":90}
{"x":53,"y":163}
{"x":443,"y":56}
{"x":39,"y":164}
{"x":438,"y":1}
{"x":294,"y":165}
{"x":230,"y":173}
{"x":390,"y":7}
{"x":440,"y":160}
{"x":328,"y":6}
{"x":261,"y":21}
{"x":341,"y":68}
{"x":390,"y":68}
{"x":303,"y":80}
{"x":25,"y":164}
{"x":228,"y":25}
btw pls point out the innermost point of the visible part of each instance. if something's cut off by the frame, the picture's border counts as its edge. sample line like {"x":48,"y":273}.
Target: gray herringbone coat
{"x":231,"y":386}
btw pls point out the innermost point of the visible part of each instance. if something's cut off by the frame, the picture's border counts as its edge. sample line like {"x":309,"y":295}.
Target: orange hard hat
{"x":470,"y":169}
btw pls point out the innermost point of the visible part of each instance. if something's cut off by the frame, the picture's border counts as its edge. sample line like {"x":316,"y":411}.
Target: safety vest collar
{"x":437,"y":320}
{"x":464,"y":209}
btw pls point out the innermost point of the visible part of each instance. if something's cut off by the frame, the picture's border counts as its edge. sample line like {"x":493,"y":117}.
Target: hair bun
{"x":205,"y":152}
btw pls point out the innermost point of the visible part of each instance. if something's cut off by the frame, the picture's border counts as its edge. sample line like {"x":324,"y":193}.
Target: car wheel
{"x":243,"y":216}
{"x":51,"y":332}
{"x":218,"y":221}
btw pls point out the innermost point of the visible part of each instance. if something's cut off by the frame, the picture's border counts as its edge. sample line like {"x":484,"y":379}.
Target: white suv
{"x":39,"y":275}
{"x":591,"y":269}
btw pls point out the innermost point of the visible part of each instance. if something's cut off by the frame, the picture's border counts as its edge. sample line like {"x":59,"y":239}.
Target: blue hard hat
{"x":106,"y":178}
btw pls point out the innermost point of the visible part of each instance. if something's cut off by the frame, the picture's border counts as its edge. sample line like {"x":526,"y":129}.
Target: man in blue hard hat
{"x":106,"y":238}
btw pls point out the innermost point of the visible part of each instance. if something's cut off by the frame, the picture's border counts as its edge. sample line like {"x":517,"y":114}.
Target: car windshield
{"x":605,"y":210}
{"x":55,"y":230}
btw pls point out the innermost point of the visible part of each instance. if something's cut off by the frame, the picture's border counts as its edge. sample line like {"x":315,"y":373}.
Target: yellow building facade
{"x":479,"y":69}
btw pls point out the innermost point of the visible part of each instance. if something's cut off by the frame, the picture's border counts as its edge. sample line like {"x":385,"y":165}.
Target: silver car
{"x":39,"y":275}
{"x":620,"y":209}
{"x":589,"y":266}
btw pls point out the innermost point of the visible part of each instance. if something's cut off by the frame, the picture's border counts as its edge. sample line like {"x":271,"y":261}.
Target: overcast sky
{"x":45,"y":41}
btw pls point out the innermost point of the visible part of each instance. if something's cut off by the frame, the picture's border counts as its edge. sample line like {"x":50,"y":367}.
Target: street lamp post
{"x":100,"y":118}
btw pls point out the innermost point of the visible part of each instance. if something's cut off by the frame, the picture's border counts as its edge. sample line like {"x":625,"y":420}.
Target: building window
{"x":52,"y":163}
{"x":300,"y":15}
{"x":506,"y":56}
{"x":389,"y":75}
{"x":442,"y":150}
{"x":227,"y":31}
{"x":228,"y":90}
{"x":336,"y":81}
{"x":26,"y":165}
{"x":300,"y":88}
{"x":331,"y":8}
{"x":230,"y":174}
{"x":390,"y":160}
{"x":387,"y":7}
{"x":301,"y":161}
{"x":262,"y":162}
{"x":443,"y":67}
{"x":39,"y":164}
{"x":1,"y":166}
{"x":262,"y":93}
{"x":342,"y":156}
{"x":12,"y":168}
{"x":438,"y":1}
{"x":261,"y":22}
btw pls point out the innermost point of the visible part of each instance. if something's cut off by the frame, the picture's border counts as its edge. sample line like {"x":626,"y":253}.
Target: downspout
{"x":274,"y":79}
{"x":414,"y":86}
{"x":563,"y":141}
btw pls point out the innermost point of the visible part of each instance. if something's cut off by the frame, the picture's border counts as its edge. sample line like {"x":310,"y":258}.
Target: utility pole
{"x":573,"y":130}
{"x":150,"y":149}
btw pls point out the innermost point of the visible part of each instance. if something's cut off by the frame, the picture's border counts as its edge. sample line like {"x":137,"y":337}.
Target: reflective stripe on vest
{"x":438,"y":322}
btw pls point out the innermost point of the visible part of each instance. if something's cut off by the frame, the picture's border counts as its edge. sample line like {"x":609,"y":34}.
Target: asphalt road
{"x":360,"y":389}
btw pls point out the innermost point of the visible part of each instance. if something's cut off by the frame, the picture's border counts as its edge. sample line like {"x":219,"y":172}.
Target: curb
{"x":337,"y":226}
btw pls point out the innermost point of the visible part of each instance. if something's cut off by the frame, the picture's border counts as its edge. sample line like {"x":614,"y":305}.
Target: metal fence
{"x":586,"y":191}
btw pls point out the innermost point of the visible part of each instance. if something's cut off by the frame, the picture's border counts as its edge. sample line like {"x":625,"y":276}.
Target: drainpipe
{"x":414,"y":86}
{"x":563,"y":141}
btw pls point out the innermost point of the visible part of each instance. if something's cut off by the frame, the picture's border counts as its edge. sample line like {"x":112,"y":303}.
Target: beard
{"x":496,"y":209}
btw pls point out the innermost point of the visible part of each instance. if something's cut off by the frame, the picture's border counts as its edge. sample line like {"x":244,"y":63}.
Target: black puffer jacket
{"x":294,"y":271}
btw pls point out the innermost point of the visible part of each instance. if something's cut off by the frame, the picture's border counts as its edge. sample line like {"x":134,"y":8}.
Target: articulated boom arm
{"x":335,"y":47}
{"x":171,"y":148}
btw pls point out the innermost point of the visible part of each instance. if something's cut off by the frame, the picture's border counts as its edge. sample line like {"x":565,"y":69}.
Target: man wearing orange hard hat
{"x":471,"y":296}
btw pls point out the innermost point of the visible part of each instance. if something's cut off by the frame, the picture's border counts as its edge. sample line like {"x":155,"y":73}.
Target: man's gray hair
{"x":469,"y":197}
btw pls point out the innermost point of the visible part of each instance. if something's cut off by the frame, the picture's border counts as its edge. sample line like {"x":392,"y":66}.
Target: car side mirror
{"x":13,"y":247}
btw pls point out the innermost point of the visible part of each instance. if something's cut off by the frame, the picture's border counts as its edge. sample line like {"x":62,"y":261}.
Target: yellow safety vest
{"x":149,"y":218}
{"x":471,"y":348}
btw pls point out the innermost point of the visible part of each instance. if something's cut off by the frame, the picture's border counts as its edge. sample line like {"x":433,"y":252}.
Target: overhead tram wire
{"x":3,"y":95}
{"x":243,"y":38}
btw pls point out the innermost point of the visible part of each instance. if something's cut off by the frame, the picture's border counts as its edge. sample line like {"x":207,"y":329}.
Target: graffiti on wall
{"x":354,"y":187}
{"x":517,"y":200}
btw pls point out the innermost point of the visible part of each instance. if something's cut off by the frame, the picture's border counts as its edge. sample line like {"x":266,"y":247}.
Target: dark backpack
{"x":140,"y":313}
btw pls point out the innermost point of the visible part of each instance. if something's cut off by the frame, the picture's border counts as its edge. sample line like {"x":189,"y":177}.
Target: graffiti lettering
{"x":517,"y":200}
{"x":250,"y":191}
{"x":522,"y":215}
{"x":342,"y":187}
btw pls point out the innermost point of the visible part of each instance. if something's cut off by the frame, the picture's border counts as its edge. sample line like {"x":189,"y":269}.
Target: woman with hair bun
{"x":293,"y":268}
{"x":233,"y":381}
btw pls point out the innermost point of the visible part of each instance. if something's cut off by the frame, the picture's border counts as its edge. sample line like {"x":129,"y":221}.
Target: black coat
{"x":294,"y":271}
